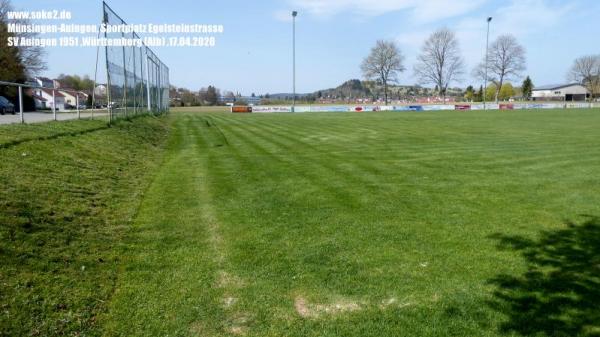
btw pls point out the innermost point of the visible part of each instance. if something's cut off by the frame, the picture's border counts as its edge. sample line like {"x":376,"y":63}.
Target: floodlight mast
{"x":487,"y":39}
{"x":294,"y":14}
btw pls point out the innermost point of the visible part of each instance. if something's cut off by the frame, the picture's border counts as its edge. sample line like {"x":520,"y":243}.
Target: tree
{"x":31,"y":58}
{"x":212,"y":95}
{"x":586,"y":71}
{"x":479,"y":94}
{"x":491,"y":90}
{"x":527,"y":88}
{"x":240,"y":101}
{"x":469,"y":94}
{"x":208,"y":96}
{"x":506,"y":92}
{"x":76,"y":82}
{"x":440,"y":62}
{"x":383,"y":64}
{"x":188,"y":98}
{"x":12,"y":68}
{"x":505,"y":60}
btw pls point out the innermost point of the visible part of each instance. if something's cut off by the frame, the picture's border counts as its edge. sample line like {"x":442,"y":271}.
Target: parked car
{"x":6,"y":106}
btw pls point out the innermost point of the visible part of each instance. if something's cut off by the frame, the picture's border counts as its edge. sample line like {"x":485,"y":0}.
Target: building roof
{"x":49,"y":92}
{"x":40,"y":98}
{"x":72,"y":92}
{"x":554,"y":86}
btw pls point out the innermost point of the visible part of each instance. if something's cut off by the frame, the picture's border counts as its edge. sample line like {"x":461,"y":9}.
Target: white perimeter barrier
{"x":419,"y":107}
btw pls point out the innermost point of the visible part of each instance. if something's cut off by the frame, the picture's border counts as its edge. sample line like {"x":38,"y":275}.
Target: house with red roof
{"x":45,"y":99}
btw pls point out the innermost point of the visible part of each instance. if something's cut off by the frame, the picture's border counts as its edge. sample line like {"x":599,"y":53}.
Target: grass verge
{"x":68,"y":193}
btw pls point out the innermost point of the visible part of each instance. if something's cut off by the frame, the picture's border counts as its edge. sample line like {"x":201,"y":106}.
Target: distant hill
{"x":285,"y":96}
{"x":349,"y":89}
{"x":354,"y":89}
{"x":368,"y":89}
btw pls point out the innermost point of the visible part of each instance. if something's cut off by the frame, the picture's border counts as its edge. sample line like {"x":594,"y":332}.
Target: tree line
{"x":17,"y":63}
{"x":208,"y":96}
{"x":440,"y":64}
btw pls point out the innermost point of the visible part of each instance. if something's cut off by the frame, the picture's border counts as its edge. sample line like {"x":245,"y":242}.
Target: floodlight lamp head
{"x":294,"y":13}
{"x":489,"y":19}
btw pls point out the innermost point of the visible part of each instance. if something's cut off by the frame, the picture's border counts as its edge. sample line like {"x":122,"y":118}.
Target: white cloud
{"x":421,"y":10}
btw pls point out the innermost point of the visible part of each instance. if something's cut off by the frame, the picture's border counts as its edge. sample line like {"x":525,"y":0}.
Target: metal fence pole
{"x":53,"y":105}
{"x":134,"y":82}
{"x":125,"y":88}
{"x":77,"y":102}
{"x":108,"y":82}
{"x":21,"y":104}
{"x":148,"y":81}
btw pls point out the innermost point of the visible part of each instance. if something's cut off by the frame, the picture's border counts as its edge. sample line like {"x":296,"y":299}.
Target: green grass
{"x":384,"y":224}
{"x":68,"y":193}
{"x":13,"y":134}
{"x":341,"y":224}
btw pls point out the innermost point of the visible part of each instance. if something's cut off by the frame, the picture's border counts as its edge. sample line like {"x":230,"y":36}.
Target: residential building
{"x":45,"y":95}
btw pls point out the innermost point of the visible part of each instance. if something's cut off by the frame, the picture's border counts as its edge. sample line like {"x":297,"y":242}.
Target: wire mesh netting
{"x":137,"y":80}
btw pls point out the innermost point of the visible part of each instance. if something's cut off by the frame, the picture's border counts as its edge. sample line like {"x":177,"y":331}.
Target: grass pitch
{"x":366,"y":224}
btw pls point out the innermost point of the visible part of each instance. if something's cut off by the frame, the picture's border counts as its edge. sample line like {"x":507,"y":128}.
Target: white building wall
{"x":560,"y":92}
{"x":60,"y":101}
{"x":69,"y":99}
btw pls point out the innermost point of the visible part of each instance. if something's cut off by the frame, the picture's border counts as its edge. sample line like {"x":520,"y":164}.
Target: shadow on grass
{"x":78,"y":130}
{"x":10,"y":143}
{"x":559,"y":295}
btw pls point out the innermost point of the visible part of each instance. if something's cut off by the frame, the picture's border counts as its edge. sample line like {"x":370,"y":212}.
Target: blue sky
{"x":333,"y":36}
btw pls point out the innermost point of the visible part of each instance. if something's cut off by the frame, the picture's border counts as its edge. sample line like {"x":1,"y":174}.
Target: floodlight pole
{"x":487,"y":41}
{"x":294,"y":14}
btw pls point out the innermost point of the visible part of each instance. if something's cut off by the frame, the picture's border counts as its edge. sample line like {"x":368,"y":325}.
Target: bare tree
{"x":586,"y":71}
{"x":32,"y":57}
{"x":383,"y":64}
{"x":440,"y":62}
{"x":506,"y":60}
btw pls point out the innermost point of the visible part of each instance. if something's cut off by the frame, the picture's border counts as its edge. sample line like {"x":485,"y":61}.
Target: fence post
{"x":148,"y":82}
{"x":77,"y":102}
{"x":21,"y":104}
{"x":53,"y":104}
{"x":125,"y":88}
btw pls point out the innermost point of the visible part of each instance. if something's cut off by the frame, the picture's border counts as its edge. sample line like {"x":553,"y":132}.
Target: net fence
{"x":137,"y":80}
